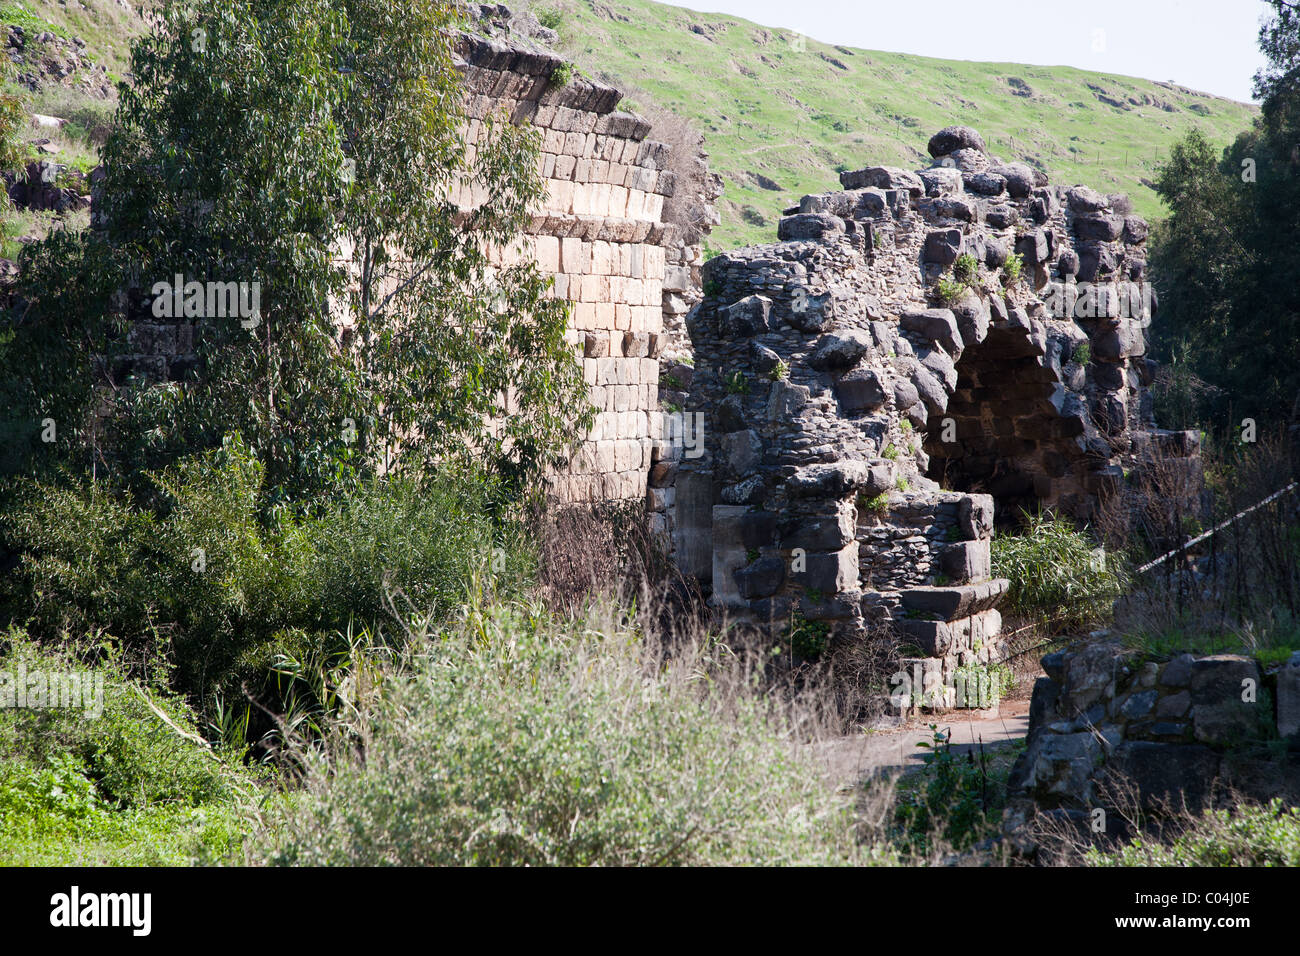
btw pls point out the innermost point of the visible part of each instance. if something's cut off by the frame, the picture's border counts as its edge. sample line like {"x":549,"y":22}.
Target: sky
{"x":1207,"y":45}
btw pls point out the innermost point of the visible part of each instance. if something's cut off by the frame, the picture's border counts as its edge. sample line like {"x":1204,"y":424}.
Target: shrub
{"x":1244,"y":836}
{"x":563,"y":74}
{"x":1012,"y":268}
{"x":133,"y":784}
{"x":878,"y":505}
{"x":953,"y":801}
{"x":966,"y":269}
{"x":737,"y":383}
{"x":1082,"y":354}
{"x":197,"y":571}
{"x":950,"y":291}
{"x":1058,"y":575}
{"x":515,"y":740}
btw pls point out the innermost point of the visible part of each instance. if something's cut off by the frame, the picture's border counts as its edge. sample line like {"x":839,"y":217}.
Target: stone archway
{"x":1013,"y":428}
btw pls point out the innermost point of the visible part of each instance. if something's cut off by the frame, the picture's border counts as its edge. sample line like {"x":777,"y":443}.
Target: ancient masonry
{"x":1108,"y":727}
{"x":630,"y":272}
{"x":886,"y":344}
{"x":967,"y":325}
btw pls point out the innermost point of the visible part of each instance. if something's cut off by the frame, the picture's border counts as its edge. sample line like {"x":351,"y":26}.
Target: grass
{"x":1058,"y":575}
{"x":793,"y":116}
{"x":514,"y":738}
{"x":131,"y":785}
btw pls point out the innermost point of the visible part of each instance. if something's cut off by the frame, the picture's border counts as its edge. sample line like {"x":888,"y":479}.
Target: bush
{"x":1245,"y":836}
{"x":950,"y":291}
{"x":966,"y":269}
{"x":513,"y":740}
{"x":200,"y":573}
{"x":1011,"y":269}
{"x":1058,"y":575}
{"x":954,"y":801}
{"x":132,"y":783}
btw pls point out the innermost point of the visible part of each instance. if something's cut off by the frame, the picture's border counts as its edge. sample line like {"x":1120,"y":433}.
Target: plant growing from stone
{"x":966,"y":269}
{"x":737,"y":383}
{"x":877,"y":504}
{"x":563,"y":74}
{"x":1012,"y":267}
{"x":950,"y":291}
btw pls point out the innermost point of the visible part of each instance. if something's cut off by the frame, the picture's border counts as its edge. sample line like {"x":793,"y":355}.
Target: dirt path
{"x":852,"y":758}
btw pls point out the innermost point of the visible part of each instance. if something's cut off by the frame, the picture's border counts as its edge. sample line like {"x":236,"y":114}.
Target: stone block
{"x":1165,"y":775}
{"x":1288,"y":699}
{"x":966,"y":562}
{"x":1225,"y":691}
{"x":951,"y":603}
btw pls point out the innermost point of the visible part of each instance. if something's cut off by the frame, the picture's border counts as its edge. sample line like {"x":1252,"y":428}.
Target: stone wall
{"x":1114,"y":730}
{"x":837,"y":390}
{"x":600,"y":234}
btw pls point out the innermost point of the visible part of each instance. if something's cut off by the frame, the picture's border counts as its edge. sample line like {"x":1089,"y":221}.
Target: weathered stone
{"x":812,"y":313}
{"x":965,"y":562}
{"x":975,"y":516}
{"x":1019,"y":177}
{"x":1096,"y":260}
{"x":952,"y":138}
{"x":941,"y":180}
{"x":810,"y":226}
{"x":838,"y":351}
{"x":785,"y":400}
{"x":1225,"y":691}
{"x":1033,"y":246}
{"x":1138,"y":705}
{"x":760,"y":579}
{"x":817,"y":534}
{"x":859,"y":390}
{"x":762,"y":358}
{"x":1178,"y":672}
{"x":950,"y":603}
{"x":934,"y":638}
{"x":757,"y":529}
{"x":742,"y":451}
{"x":838,"y":479}
{"x":1288,"y":698}
{"x":883,"y":177}
{"x":942,"y":246}
{"x":1174,"y":705}
{"x":747,"y":317}
{"x":1064,"y":764}
{"x":935,"y":325}
{"x":986,"y":184}
{"x":1084,"y":199}
{"x":830,"y":573}
{"x":1002,"y":217}
{"x":905,"y":394}
{"x":730,"y":414}
{"x":1098,"y":226}
{"x":1167,"y":776}
{"x":1135,"y":230}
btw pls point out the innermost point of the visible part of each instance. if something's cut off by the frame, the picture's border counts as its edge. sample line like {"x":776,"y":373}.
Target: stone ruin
{"x":829,"y":431}
{"x":863,"y":411}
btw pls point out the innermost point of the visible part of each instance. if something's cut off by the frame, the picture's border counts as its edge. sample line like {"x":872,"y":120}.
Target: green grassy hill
{"x":793,"y":111}
{"x":782,"y":113}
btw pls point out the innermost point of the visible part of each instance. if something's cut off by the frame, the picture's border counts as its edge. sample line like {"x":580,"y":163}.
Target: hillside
{"x":780,"y":113}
